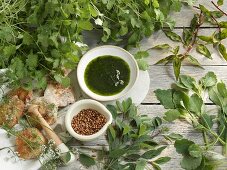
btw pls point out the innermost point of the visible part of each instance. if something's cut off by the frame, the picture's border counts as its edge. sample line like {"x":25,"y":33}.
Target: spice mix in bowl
{"x":87,"y":119}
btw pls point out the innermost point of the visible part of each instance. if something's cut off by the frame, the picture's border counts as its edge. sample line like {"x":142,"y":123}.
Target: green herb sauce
{"x":107,"y":75}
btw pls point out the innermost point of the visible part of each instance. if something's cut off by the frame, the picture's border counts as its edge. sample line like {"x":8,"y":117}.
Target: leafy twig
{"x":219,"y":8}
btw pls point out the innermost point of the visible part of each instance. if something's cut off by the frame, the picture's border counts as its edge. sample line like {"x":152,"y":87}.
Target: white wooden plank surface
{"x":162,"y":77}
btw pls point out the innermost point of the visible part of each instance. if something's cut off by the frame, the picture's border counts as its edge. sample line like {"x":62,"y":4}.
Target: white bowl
{"x":87,"y":104}
{"x":107,"y":50}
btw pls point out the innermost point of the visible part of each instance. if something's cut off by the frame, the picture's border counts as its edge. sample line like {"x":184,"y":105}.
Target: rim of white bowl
{"x":111,"y":97}
{"x":68,"y":120}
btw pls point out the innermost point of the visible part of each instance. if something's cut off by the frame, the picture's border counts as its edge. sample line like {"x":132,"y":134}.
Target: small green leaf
{"x":176,"y":66}
{"x":187,"y":36}
{"x":141,"y":54}
{"x":190,"y":163}
{"x":112,"y":110}
{"x":223,"y":34}
{"x":223,"y":24}
{"x":195,"y":103}
{"x":162,"y":160}
{"x":142,"y":129}
{"x":173,"y":36}
{"x":126,"y":128}
{"x":112,"y":131}
{"x":171,"y":115}
{"x":117,"y":153}
{"x":220,"y":2}
{"x":166,"y":60}
{"x":153,"y":153}
{"x":202,"y":49}
{"x":9,"y":50}
{"x":195,"y":151}
{"x":206,"y":120}
{"x":165,"y":97}
{"x":222,"y":51}
{"x":32,"y":61}
{"x":86,"y":25}
{"x":65,"y":81}
{"x":193,"y":61}
{"x":207,"y":39}
{"x":27,"y":39}
{"x":182,"y":146}
{"x":86,"y":160}
{"x":140,"y":164}
{"x":143,"y":65}
{"x":205,"y":10}
{"x":174,"y":136}
{"x":188,"y":81}
{"x":161,"y":46}
{"x":209,"y":80}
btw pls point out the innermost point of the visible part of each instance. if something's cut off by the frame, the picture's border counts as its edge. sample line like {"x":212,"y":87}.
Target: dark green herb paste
{"x":107,"y":75}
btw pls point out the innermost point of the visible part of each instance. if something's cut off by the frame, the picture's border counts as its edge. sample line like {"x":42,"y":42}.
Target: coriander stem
{"x":205,"y":138}
{"x":219,"y":8}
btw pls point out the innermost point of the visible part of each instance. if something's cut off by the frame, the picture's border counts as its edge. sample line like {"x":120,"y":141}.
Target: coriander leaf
{"x":195,"y":151}
{"x":171,"y":115}
{"x":195,"y":103}
{"x":9,"y":50}
{"x":202,"y":49}
{"x":161,"y":46}
{"x":141,"y":54}
{"x":209,"y":80}
{"x":153,"y":153}
{"x":143,"y":65}
{"x":86,"y":25}
{"x":190,"y":163}
{"x":222,"y":51}
{"x":173,"y":36}
{"x":182,"y":146}
{"x":86,"y":160}
{"x":140,"y":164}
{"x":162,"y":160}
{"x":165,"y":97}
{"x":32,"y":61}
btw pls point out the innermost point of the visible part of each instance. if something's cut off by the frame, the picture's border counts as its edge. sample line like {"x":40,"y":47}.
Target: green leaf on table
{"x":165,"y":97}
{"x":187,"y":81}
{"x":190,"y":163}
{"x":187,"y":36}
{"x":161,"y":46}
{"x":173,"y":36}
{"x":162,"y":160}
{"x":193,"y":61}
{"x":86,"y":160}
{"x":171,"y":115}
{"x":221,"y":87}
{"x":222,"y":51}
{"x":143,"y":65}
{"x":208,"y":39}
{"x":112,"y":110}
{"x":202,"y":49}
{"x":140,"y":164}
{"x":205,"y":10}
{"x":153,"y":153}
{"x":206,"y":120}
{"x":176,"y":66}
{"x":112,"y":131}
{"x":223,"y":24}
{"x":195,"y":103}
{"x":195,"y":151}
{"x":117,"y":153}
{"x":223,"y":34}
{"x":173,"y":136}
{"x":65,"y":81}
{"x":141,"y":54}
{"x":166,"y":60}
{"x":209,"y":80}
{"x":182,"y":146}
{"x":220,"y":2}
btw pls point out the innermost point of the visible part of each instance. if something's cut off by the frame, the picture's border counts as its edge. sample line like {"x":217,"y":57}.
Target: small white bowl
{"x":113,"y":51}
{"x":87,"y":104}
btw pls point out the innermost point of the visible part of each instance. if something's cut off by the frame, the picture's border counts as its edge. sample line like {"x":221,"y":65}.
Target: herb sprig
{"x":186,"y":101}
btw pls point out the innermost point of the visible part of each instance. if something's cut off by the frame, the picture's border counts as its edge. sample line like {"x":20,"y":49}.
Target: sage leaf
{"x":171,"y":115}
{"x":86,"y":160}
{"x":222,"y":51}
{"x":202,"y":49}
{"x":173,"y":36}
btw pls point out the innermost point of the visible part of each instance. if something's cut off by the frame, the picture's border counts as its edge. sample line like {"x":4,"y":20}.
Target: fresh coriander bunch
{"x":186,"y":101}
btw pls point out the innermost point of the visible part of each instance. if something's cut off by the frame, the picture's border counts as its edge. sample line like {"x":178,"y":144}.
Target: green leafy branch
{"x":186,"y":101}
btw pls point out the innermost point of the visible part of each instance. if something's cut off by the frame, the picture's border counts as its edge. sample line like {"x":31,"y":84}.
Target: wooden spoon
{"x":34,"y":109}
